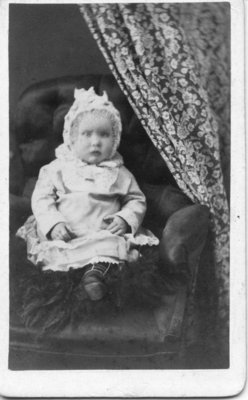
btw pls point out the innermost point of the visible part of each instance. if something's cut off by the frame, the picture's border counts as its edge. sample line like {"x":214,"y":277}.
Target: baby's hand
{"x":61,"y":232}
{"x":117,"y":225}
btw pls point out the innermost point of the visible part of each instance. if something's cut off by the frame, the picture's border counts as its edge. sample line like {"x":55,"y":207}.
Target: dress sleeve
{"x":44,"y":203}
{"x":133,"y":205}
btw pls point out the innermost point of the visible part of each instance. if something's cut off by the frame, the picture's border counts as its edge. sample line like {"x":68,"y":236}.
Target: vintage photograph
{"x":119,"y":131}
{"x":119,"y":185}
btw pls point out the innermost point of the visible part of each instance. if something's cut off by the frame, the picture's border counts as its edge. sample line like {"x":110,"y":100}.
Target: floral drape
{"x":172,"y":63}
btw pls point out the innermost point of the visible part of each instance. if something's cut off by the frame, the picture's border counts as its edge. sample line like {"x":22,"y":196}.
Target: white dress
{"x":82,"y":195}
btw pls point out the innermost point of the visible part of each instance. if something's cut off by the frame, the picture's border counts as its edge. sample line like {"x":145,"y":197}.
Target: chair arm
{"x":183,"y":238}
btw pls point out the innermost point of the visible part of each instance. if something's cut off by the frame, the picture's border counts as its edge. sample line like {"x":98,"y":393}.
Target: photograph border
{"x":141,"y":383}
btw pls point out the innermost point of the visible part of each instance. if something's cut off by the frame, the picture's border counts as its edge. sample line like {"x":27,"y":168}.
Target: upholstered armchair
{"x":147,"y":338}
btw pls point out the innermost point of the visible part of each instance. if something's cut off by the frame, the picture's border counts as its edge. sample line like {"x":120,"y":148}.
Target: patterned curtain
{"x":172,"y":63}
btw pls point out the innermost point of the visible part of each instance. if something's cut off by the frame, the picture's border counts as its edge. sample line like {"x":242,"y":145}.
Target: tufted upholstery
{"x":181,"y":226}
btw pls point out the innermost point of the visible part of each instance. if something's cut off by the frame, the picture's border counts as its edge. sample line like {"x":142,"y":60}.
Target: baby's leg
{"x":93,"y":280}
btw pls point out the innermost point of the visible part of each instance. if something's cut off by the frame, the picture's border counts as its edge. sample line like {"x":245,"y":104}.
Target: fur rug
{"x":51,"y":300}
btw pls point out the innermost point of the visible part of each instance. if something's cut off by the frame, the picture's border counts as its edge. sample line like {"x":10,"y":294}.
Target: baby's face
{"x":94,"y":140}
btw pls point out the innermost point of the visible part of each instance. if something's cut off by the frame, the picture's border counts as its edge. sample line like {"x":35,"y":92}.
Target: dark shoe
{"x":94,"y":288}
{"x":93,"y":282}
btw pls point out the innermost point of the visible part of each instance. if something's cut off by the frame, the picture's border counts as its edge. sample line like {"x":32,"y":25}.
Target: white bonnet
{"x":88,"y":100}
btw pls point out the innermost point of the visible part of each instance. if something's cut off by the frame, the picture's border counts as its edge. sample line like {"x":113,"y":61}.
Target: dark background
{"x":48,"y":41}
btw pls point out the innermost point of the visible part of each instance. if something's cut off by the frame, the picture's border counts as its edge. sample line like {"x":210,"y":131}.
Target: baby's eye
{"x":86,"y":133}
{"x":105,"y":134}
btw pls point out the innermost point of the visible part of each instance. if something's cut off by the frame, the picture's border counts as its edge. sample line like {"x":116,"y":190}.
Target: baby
{"x":88,"y":207}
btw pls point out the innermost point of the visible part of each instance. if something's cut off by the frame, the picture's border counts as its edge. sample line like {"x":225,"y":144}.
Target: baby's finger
{"x":119,"y":232}
{"x":115,"y":229}
{"x":108,"y":218}
{"x":71,"y":234}
{"x":62,"y":234}
{"x":66,"y":236}
{"x":58,"y":236}
{"x":111,"y":226}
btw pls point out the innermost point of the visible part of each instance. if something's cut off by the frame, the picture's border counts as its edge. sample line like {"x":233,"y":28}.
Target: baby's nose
{"x":95,"y":139}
